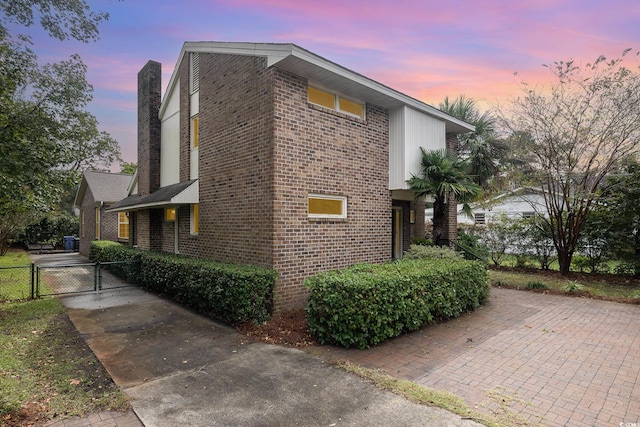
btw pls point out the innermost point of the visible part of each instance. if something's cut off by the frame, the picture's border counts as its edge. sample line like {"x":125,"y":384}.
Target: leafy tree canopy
{"x":46,"y":135}
{"x":573,"y":134}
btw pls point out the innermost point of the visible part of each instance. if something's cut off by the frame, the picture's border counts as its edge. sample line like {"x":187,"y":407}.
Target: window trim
{"x":342,"y":199}
{"x":97,"y":224}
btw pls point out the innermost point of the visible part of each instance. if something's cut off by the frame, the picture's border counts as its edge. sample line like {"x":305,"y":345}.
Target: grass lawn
{"x":15,"y":276}
{"x":46,"y":369}
{"x":604,"y":286}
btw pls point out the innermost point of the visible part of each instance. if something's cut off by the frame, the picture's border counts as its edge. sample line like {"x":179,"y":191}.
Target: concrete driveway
{"x":554,"y":360}
{"x":182,"y":369}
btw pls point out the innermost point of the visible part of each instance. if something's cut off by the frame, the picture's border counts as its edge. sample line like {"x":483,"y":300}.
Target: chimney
{"x":149,"y":98}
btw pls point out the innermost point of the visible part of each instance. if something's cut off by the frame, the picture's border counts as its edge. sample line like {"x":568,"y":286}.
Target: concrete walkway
{"x":182,"y":369}
{"x":558,"y":361}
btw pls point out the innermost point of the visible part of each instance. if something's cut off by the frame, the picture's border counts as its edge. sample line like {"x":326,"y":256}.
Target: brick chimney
{"x":149,"y":98}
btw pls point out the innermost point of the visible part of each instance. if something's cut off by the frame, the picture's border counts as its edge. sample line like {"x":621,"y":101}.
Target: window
{"x":195,"y":219}
{"x":97,"y":231}
{"x":323,"y":206}
{"x":335,"y":102}
{"x":123,"y":226}
{"x":170,"y":214}
{"x":195,"y":131}
{"x":528,"y":215}
{"x":82,"y":223}
{"x":479,"y":218}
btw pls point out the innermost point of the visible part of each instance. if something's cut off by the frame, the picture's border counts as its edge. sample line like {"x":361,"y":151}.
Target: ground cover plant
{"x":46,"y":369}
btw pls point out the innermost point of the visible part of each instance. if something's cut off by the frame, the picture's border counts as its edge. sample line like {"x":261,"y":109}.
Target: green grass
{"x":15,"y":276}
{"x":46,"y":369}
{"x":503,"y":417}
{"x":601,"y":286}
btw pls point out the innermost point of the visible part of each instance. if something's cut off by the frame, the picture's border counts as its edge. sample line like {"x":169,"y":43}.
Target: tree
{"x":46,"y":136}
{"x":126,"y":167}
{"x":442,"y":176}
{"x":615,"y":219}
{"x":577,"y":131}
{"x":482,"y":147}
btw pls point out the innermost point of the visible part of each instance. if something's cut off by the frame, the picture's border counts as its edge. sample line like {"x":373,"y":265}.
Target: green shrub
{"x":431,"y":252}
{"x":230,"y":292}
{"x":535,"y":285}
{"x":123,"y":261}
{"x":365,"y":304}
{"x":422,"y":242}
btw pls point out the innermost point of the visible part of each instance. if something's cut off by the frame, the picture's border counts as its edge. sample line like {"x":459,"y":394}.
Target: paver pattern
{"x":99,"y":419}
{"x":555,"y":360}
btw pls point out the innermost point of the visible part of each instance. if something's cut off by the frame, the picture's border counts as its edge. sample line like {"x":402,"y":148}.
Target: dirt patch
{"x":289,"y":329}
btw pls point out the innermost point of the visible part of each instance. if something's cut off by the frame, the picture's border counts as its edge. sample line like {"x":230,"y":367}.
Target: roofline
{"x":277,"y":52}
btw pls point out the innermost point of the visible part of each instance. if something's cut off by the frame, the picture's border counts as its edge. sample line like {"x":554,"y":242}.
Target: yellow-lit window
{"x":351,"y":107}
{"x":320,"y":97}
{"x":195,"y":219}
{"x":170,"y":214}
{"x":97,"y":224}
{"x":123,"y":226}
{"x":323,"y":206}
{"x":195,"y":132}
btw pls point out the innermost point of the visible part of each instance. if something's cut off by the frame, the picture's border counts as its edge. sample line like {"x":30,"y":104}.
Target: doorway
{"x":396,"y":232}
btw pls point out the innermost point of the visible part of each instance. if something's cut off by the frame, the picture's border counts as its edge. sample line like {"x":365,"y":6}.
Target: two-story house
{"x":268,"y":154}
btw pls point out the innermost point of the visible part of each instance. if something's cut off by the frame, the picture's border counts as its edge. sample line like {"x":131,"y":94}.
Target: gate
{"x":78,"y":278}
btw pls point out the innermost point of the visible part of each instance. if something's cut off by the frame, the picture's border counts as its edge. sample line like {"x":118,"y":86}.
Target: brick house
{"x":97,"y":192}
{"x":268,"y":154}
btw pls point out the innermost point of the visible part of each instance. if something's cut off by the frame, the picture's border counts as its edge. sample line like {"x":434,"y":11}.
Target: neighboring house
{"x":522,"y":202}
{"x":97,"y":192}
{"x":270,"y":155}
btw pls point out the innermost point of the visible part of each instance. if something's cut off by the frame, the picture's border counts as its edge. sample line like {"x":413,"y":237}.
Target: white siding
{"x":170,"y":140}
{"x":409,"y":130}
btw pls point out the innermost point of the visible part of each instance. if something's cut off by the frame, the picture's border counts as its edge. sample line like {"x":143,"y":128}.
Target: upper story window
{"x":335,"y":102}
{"x":195,"y":132}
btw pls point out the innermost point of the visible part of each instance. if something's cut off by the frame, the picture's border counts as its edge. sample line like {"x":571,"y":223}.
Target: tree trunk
{"x":439,"y":231}
{"x":564,"y":260}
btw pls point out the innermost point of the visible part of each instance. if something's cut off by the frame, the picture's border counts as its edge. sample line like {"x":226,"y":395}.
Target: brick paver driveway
{"x":557,"y":361}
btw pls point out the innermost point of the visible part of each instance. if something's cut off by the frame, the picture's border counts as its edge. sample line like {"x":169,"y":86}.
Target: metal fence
{"x":33,"y":281}
{"x":16,"y":283}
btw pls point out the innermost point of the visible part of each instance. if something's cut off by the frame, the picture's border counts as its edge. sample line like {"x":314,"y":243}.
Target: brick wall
{"x":451,"y":209}
{"x":324,"y":152}
{"x":236,"y":161}
{"x":148,"y":226}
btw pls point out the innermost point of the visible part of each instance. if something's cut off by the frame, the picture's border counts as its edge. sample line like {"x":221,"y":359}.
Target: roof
{"x":104,"y":186}
{"x":304,"y":63}
{"x":185,"y":192}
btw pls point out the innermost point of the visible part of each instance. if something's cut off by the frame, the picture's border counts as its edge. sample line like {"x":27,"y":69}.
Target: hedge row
{"x":365,"y":304}
{"x":230,"y":292}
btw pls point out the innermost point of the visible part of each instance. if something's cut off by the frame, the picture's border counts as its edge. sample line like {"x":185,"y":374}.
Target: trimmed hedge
{"x":365,"y":304}
{"x":230,"y":292}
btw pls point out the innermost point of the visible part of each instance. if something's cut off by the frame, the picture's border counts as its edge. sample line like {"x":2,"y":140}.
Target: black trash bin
{"x":76,"y":244}
{"x":68,"y":243}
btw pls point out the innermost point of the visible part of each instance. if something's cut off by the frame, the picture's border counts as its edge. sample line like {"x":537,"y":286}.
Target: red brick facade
{"x":263,"y":149}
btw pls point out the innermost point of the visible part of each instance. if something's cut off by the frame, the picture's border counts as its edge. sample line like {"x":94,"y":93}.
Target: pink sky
{"x":424,"y":48}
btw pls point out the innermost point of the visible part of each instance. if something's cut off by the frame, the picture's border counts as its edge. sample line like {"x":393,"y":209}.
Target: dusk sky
{"x":424,"y":48}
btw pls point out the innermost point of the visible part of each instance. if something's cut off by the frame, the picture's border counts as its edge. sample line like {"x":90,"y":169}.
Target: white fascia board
{"x":133,"y":183}
{"x":188,"y":196}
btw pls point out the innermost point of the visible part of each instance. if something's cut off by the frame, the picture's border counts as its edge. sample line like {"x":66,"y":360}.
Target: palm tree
{"x":442,"y":176}
{"x":482,"y":147}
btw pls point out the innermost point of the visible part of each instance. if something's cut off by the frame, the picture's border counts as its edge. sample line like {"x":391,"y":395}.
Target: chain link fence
{"x":33,"y":281}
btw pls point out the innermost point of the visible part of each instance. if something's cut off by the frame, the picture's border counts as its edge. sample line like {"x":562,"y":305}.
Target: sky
{"x":427,"y":49}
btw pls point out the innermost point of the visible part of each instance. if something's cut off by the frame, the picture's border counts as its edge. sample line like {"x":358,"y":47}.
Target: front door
{"x":396,"y":232}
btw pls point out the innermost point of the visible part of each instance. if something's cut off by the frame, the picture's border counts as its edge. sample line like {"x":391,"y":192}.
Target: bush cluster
{"x":365,"y":304}
{"x":230,"y":292}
